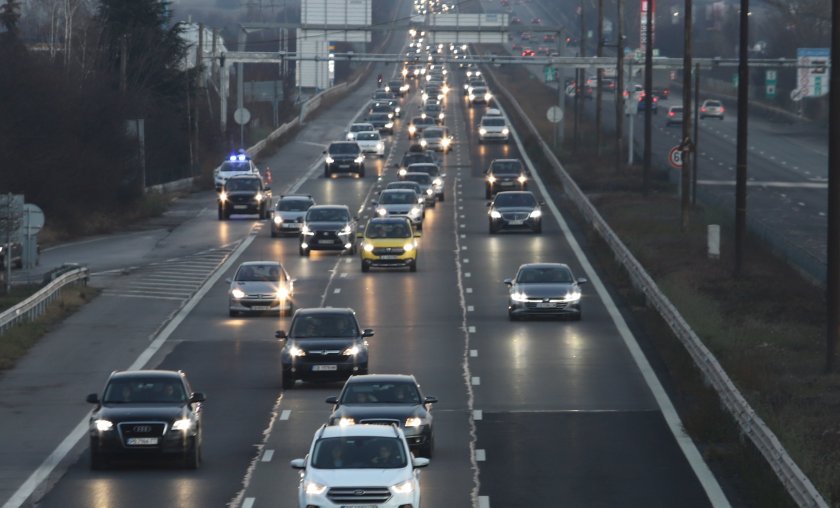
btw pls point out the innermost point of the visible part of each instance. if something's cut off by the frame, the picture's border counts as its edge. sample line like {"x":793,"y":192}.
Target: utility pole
{"x":599,"y":78}
{"x":686,"y":144}
{"x":741,"y":136}
{"x":648,"y":40}
{"x":696,"y":134}
{"x":123,"y":63}
{"x":833,"y":273}
{"x":199,"y":62}
{"x":619,"y":89}
{"x":579,"y":81}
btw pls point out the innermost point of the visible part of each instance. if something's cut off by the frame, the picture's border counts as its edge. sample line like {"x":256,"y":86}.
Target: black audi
{"x":146,"y":414}
{"x":328,"y":227}
{"x":515,"y":210}
{"x":344,"y":157}
{"x":385,"y":399}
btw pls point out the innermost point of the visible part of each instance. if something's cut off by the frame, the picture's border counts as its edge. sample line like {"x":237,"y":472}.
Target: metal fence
{"x":34,"y":306}
{"x":797,"y":484}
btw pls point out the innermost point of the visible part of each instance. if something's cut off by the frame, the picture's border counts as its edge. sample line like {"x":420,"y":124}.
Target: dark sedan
{"x":382,"y":122}
{"x":505,"y":174}
{"x":515,"y":210}
{"x":386,"y":399}
{"x":544,"y":289}
{"x":328,"y":227}
{"x":344,"y":157}
{"x":146,"y":414}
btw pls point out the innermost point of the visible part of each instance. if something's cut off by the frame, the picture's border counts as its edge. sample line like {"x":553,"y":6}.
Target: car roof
{"x":543,"y":265}
{"x":252,"y":263}
{"x":147,"y":373}
{"x":296,"y":196}
{"x":505,"y":160}
{"x":381,"y":378}
{"x":244,"y":176}
{"x":507,"y":193}
{"x":388,"y":220}
{"x":394,"y":191}
{"x":330,"y":207}
{"x":324,"y":310}
{"x":342,"y":143}
{"x":332,"y":431}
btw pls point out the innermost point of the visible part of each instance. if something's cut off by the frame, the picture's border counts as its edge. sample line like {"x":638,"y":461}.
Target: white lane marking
{"x":285,"y":414}
{"x":469,"y":290}
{"x":757,"y":183}
{"x":336,"y":291}
{"x":695,"y":460}
{"x":466,"y":260}
{"x":268,"y":455}
{"x":343,"y":275}
{"x":471,"y":329}
{"x":248,"y":502}
{"x":476,"y":381}
{"x":462,"y":226}
{"x":480,"y":456}
{"x":463,"y":247}
{"x":483,"y":501}
{"x":473,"y":353}
{"x":467,"y":275}
{"x":470,"y":308}
{"x":463,"y":235}
{"x":51,"y":462}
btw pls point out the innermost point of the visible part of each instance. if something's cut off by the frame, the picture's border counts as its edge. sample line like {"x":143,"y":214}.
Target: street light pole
{"x":741,"y":142}
{"x":619,"y":89}
{"x":686,"y":143}
{"x":833,"y":272}
{"x":648,"y":94}
{"x":600,"y":77}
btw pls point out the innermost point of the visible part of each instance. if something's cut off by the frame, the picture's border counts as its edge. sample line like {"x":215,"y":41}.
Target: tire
{"x":413,"y":266}
{"x":192,"y":459}
{"x":303,"y":252}
{"x":428,"y":449}
{"x":442,"y":197}
{"x":488,"y":193}
{"x":365,"y":267}
{"x":288,"y":381}
{"x":97,"y":461}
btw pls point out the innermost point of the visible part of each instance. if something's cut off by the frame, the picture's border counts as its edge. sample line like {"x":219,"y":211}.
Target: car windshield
{"x":381,"y":393}
{"x":398,"y":198}
{"x":328,"y":215}
{"x":293,"y":205}
{"x":311,"y":326}
{"x":426,"y":121}
{"x":379,"y":117}
{"x":404,"y":185}
{"x":344,"y":148}
{"x":421,"y":178}
{"x":359,"y":452}
{"x":478,"y":89}
{"x":388,"y":229}
{"x":547,"y":274}
{"x":235,"y":166}
{"x":429,"y":169}
{"x":432,"y":133}
{"x":507,"y":168}
{"x":368,"y":136}
{"x":242,"y":184}
{"x":381,"y":108}
{"x":515,"y":199}
{"x":493,"y":122}
{"x":432,"y":108}
{"x":360,"y":127}
{"x":148,"y":390}
{"x":712,"y":104}
{"x":258,"y":273}
{"x":414,"y":158}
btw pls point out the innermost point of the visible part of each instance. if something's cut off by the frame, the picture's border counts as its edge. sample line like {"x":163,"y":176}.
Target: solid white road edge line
{"x":51,"y":462}
{"x":268,"y":455}
{"x":692,"y":455}
{"x":483,"y":502}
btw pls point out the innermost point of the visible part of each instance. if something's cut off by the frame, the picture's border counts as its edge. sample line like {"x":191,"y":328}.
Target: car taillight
{"x":703,"y":109}
{"x":721,"y":109}
{"x":670,"y":113}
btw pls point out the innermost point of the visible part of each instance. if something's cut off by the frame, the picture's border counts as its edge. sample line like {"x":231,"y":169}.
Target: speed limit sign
{"x":675,"y":157}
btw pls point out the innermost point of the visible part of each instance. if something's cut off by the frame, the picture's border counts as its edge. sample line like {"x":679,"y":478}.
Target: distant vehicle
{"x":712,"y":108}
{"x":371,"y":142}
{"x":479,"y":95}
{"x":417,"y":124}
{"x":287,"y":218}
{"x":433,"y":170}
{"x":146,"y":414}
{"x":543,"y":50}
{"x":528,"y":52}
{"x":525,"y":36}
{"x":494,"y":128}
{"x":237,"y":164}
{"x":344,"y":157}
{"x":328,"y":227}
{"x":515,"y":20}
{"x":413,"y":156}
{"x":675,"y":115}
{"x":536,"y":21}
{"x":661,"y":92}
{"x":16,"y":256}
{"x":654,"y":103}
{"x":544,"y":289}
{"x":426,"y":183}
{"x":434,"y":111}
{"x":505,"y":174}
{"x":390,"y":241}
{"x":261,"y":286}
{"x":515,"y":210}
{"x":549,"y":38}
{"x":358,"y":127}
{"x":244,"y":194}
{"x":436,"y":138}
{"x":400,"y":203}
{"x":381,"y":122}
{"x":516,"y":46}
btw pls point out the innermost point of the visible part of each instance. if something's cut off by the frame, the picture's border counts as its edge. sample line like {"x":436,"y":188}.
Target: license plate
{"x":141,"y":441}
{"x":516,"y":222}
{"x":344,"y":166}
{"x":388,"y":256}
{"x":324,"y":368}
{"x":326,"y":242}
{"x":240,"y":207}
{"x":291,"y":226}
{"x":260,"y":307}
{"x":359,"y":506}
{"x":546,"y":305}
{"x":506,"y":184}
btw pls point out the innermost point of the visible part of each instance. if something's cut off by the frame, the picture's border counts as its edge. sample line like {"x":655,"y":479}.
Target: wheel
{"x":538,"y":229}
{"x":488,"y":193}
{"x":427,"y":450}
{"x":192,"y":459}
{"x":97,"y":461}
{"x":442,"y":197}
{"x":365,"y":266}
{"x":303,"y":252}
{"x":288,"y":381}
{"x":413,"y":266}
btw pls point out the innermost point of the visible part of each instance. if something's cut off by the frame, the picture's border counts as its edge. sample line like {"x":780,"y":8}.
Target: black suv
{"x":146,"y":413}
{"x":323,"y":343}
{"x":385,"y":399}
{"x":244,"y":194}
{"x":505,"y":175}
{"x":328,"y":227}
{"x":344,"y":157}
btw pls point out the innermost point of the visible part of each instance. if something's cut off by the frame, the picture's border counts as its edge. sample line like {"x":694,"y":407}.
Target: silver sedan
{"x":261,"y":286}
{"x":544,"y":289}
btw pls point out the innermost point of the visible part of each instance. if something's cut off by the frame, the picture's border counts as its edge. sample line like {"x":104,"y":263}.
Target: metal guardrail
{"x":799,"y":486}
{"x":37,"y":304}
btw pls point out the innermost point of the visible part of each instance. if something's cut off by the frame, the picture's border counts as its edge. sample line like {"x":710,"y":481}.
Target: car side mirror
{"x":368,"y":332}
{"x":92,"y":398}
{"x":298,"y":463}
{"x":418,"y":462}
{"x":267,"y":187}
{"x":324,"y":152}
{"x":197,"y":397}
{"x":417,"y":234}
{"x":430,"y":400}
{"x":332,"y":400}
{"x":508,"y":282}
{"x":582,"y":280}
{"x":280,"y":334}
{"x":360,"y":235}
{"x":542,"y":203}
{"x":489,"y":203}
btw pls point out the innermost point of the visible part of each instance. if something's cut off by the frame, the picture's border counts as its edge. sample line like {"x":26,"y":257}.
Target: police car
{"x":237,"y":164}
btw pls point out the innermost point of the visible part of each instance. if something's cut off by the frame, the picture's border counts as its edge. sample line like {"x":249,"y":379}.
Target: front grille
{"x":241,"y":200}
{"x":398,"y":212}
{"x":324,"y":355}
{"x":141,"y":429}
{"x":326,"y":235}
{"x":558,"y":304}
{"x":380,"y":421}
{"x":515,"y":215}
{"x":359,"y":495}
{"x":388,"y":251}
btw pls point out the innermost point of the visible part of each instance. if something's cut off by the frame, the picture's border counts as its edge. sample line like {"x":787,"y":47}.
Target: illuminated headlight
{"x":505,"y":131}
{"x":403,"y":171}
{"x":491,"y":179}
{"x":345,"y":421}
{"x":495,"y":214}
{"x":472,"y":97}
{"x":259,"y":196}
{"x":360,"y":159}
{"x":381,"y":212}
{"x":306,"y":231}
{"x":380,"y":146}
{"x":237,"y":293}
{"x":469,"y":74}
{"x":417,"y":71}
{"x":423,"y":115}
{"x":423,"y":143}
{"x":346,"y":230}
{"x":536,"y":214}
{"x":295,"y":351}
{"x":573,"y":295}
{"x":466,"y":86}
{"x":487,"y":96}
{"x":404,"y":88}
{"x":482,"y":131}
{"x":518,"y":296}
{"x":182,"y":424}
{"x":522,"y":179}
{"x":351,"y":351}
{"x":429,"y":191}
{"x":368,"y":247}
{"x":408,"y":247}
{"x":438,"y":182}
{"x":390,"y":116}
{"x":445,"y":141}
{"x":440,"y":96}
{"x":282,"y":293}
{"x":413,"y":421}
{"x":103,"y":425}
{"x":350,"y":136}
{"x":328,"y":159}
{"x":397,"y":110}
{"x":278,"y":220}
{"x":315,"y":489}
{"x":415,"y":211}
{"x":223,"y":196}
{"x":389,"y":125}
{"x":406,"y":487}
{"x":412,"y":129}
{"x":425,"y":96}
{"x":441,"y":116}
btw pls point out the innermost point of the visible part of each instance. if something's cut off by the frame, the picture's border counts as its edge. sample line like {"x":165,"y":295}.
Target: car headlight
{"x":487,"y":97}
{"x":422,"y":115}
{"x":412,"y":129}
{"x":522,"y":179}
{"x":182,"y":424}
{"x":103,"y":425}
{"x":315,"y":489}
{"x":223,"y":196}
{"x":482,"y":131}
{"x":415,"y":211}
{"x":237,"y":293}
{"x":495,"y":214}
{"x":350,"y":136}
{"x":390,"y":115}
{"x":278,"y":220}
{"x":381,"y":212}
{"x":413,"y":421}
{"x":406,"y":487}
{"x":445,"y":141}
{"x":346,"y":230}
{"x":472,"y":97}
{"x":423,"y":143}
{"x":403,"y":171}
{"x":425,"y":96}
{"x":344,"y":421}
{"x":295,"y":351}
{"x":282,"y":293}
{"x":505,"y":131}
{"x":389,"y":125}
{"x":536,"y":214}
{"x":380,"y":146}
{"x":360,"y":159}
{"x":408,"y":247}
{"x":306,"y":231}
{"x":259,"y":196}
{"x":328,"y":159}
{"x":491,"y":179}
{"x":368,"y":247}
{"x":573,"y":295}
{"x":518,"y":296}
{"x":445,"y":90}
{"x":438,"y":182}
{"x":430,"y":191}
{"x":441,"y":116}
{"x":351,"y":351}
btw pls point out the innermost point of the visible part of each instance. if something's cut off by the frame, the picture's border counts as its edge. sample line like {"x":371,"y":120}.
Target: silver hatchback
{"x":261,"y":286}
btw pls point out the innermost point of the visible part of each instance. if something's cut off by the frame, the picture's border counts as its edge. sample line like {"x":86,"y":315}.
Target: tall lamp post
{"x":833,"y":269}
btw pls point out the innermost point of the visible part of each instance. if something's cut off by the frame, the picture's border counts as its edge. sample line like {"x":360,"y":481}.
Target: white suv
{"x":237,"y":164}
{"x":493,"y":128}
{"x":359,"y":465}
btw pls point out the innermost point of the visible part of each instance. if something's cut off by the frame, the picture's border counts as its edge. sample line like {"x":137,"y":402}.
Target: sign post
{"x":770,"y":83}
{"x":675,"y":157}
{"x":555,"y":116}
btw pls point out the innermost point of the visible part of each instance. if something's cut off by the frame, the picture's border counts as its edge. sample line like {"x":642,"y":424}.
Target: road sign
{"x":554,"y":114}
{"x":675,"y":157}
{"x":770,"y":83}
{"x":797,"y":94}
{"x":241,"y":116}
{"x":33,"y":219}
{"x":548,"y":72}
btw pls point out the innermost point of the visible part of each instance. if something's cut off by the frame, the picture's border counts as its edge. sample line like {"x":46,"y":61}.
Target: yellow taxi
{"x":389,"y":242}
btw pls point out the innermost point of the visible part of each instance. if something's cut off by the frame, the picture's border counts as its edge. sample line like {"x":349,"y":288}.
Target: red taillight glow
{"x":670,"y":113}
{"x":703,"y":109}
